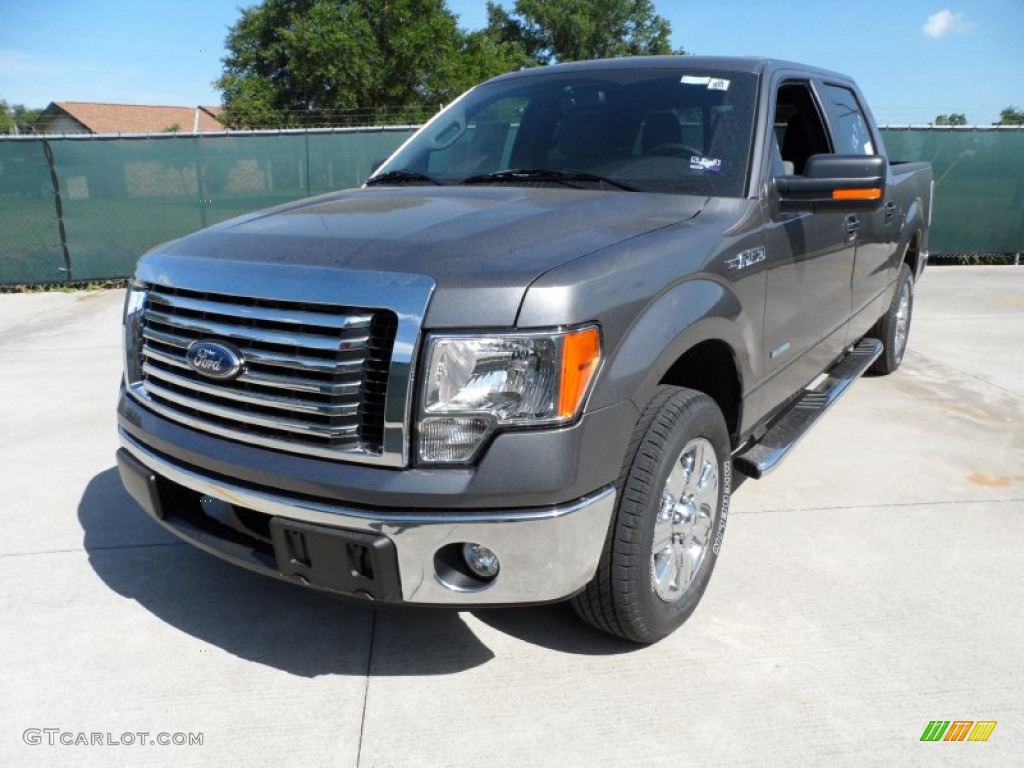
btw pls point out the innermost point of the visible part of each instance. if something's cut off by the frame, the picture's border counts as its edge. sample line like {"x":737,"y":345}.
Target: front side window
{"x":670,"y":130}
{"x":799,"y":129}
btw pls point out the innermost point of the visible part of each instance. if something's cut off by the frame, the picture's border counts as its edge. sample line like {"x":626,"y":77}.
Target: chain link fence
{"x":86,"y":207}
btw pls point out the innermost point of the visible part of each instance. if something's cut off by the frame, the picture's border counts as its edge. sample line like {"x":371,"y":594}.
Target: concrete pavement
{"x":872,"y":584}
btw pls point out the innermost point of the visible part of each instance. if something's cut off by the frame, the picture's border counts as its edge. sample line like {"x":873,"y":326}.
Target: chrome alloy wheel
{"x":686,"y":520}
{"x":902,"y":321}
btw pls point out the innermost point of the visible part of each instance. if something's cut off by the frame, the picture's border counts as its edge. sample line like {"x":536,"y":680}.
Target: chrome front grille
{"x":314,"y":379}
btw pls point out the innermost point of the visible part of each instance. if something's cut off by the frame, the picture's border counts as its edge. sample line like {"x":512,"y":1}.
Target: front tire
{"x":893,"y":328}
{"x":671,"y":512}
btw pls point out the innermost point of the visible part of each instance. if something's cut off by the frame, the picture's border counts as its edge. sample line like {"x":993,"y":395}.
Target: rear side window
{"x":850,"y":132}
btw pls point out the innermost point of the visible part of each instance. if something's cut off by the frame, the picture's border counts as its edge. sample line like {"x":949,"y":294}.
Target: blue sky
{"x":914,"y":59}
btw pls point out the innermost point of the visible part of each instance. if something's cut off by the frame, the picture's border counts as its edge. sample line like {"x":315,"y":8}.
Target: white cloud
{"x":946,"y":23}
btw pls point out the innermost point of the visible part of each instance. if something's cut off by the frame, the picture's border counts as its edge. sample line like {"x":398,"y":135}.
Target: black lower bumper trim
{"x":351,"y":563}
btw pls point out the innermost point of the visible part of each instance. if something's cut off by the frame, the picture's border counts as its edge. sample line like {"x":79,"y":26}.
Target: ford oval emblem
{"x":214,"y":359}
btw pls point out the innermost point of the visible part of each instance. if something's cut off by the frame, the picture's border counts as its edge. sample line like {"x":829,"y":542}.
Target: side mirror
{"x":838,"y":183}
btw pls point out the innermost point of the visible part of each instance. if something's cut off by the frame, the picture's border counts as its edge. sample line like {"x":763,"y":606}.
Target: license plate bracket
{"x":336,"y":559}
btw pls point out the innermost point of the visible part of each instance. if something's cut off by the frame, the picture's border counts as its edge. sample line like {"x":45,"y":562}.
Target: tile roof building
{"x":91,"y":117}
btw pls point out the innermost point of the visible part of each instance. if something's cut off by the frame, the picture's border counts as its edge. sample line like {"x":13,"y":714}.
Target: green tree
{"x":954,"y":118}
{"x":574,"y":30}
{"x":17,"y":118}
{"x":24,"y":117}
{"x":483,"y":55}
{"x":325,"y":62}
{"x":6,"y":121}
{"x":1011,"y":116}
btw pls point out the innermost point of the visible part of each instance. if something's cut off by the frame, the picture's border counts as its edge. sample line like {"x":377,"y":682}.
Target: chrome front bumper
{"x":546,"y":554}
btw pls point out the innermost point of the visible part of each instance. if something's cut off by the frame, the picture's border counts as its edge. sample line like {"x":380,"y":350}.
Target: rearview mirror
{"x":839,"y":183}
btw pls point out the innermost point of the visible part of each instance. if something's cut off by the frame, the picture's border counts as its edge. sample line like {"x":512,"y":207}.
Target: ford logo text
{"x":214,"y":359}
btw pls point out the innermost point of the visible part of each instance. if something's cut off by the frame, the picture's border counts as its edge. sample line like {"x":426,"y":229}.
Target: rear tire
{"x":893,"y":328}
{"x":671,"y":512}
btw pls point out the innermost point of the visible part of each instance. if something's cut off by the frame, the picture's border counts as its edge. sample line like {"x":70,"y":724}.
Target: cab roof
{"x":748,"y":64}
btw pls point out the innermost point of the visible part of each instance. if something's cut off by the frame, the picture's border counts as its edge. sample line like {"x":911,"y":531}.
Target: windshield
{"x":670,"y":130}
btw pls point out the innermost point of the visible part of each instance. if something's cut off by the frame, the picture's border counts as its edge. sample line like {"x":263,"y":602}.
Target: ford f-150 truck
{"x":526,"y":360}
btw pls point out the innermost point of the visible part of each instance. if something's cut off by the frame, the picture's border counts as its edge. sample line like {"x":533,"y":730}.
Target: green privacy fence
{"x":979,"y":185}
{"x":85,"y":208}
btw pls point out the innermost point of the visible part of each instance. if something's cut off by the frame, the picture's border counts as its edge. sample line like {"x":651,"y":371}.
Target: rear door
{"x":877,"y":233}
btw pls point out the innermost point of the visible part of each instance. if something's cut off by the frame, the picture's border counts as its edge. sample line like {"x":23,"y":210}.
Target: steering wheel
{"x":673,"y":149}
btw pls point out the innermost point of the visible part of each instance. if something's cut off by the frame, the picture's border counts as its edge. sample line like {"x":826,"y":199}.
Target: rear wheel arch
{"x":912,"y":253}
{"x":913,"y":236}
{"x":893,"y":327}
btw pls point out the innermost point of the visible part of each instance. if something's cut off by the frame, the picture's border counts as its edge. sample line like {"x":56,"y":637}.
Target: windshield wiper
{"x":545,"y":174}
{"x":400,"y":177}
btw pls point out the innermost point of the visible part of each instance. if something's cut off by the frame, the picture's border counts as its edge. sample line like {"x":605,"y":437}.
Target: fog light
{"x":481,"y":561}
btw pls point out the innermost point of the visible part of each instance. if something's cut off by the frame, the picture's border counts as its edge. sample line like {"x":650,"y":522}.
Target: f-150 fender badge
{"x":745,"y":259}
{"x":214,"y":359}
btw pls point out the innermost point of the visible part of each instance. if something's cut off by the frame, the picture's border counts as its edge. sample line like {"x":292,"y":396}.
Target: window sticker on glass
{"x":705,"y":164}
{"x":711,"y":83}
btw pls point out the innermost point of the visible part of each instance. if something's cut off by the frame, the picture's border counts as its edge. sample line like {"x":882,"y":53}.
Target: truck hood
{"x":482,"y":245}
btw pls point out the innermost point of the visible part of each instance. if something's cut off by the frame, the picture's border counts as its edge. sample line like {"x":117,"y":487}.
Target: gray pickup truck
{"x":527,"y":360}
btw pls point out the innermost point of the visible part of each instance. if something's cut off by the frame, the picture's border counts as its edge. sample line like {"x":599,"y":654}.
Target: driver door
{"x":811,"y":255}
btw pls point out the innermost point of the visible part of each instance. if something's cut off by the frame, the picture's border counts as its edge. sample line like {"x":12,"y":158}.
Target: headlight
{"x":134,"y":305}
{"x":475,"y":385}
